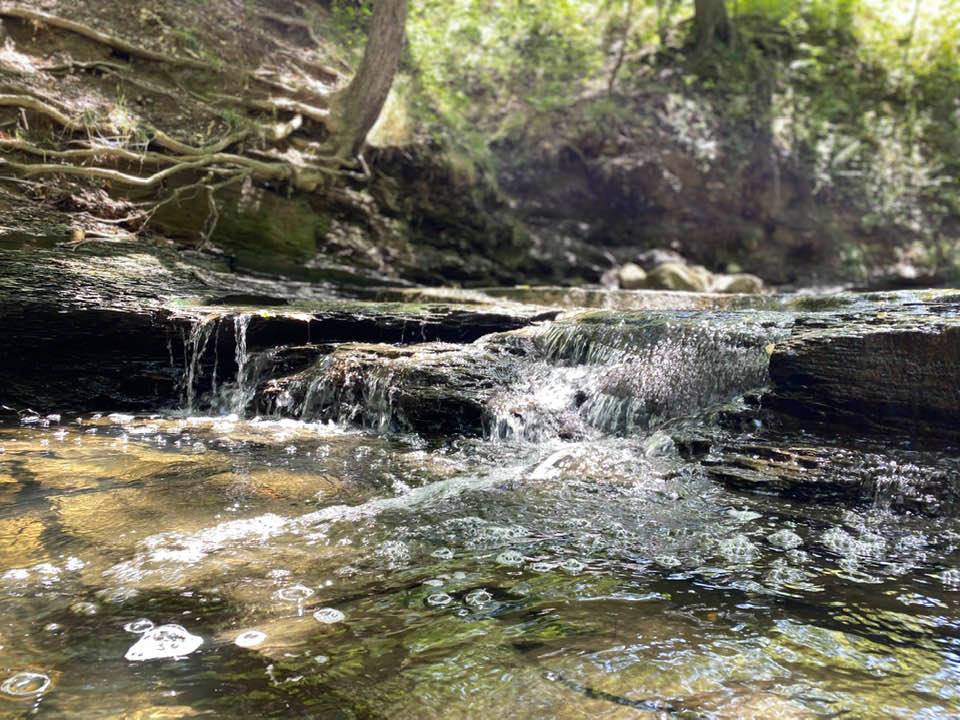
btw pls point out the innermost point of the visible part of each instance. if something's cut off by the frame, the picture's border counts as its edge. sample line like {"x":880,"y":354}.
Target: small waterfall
{"x":221,"y":395}
{"x":195,"y":347}
{"x":347,"y":390}
{"x":240,"y":395}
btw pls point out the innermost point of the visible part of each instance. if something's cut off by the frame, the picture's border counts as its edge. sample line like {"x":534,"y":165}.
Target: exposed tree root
{"x":23,"y":13}
{"x":280,"y":148}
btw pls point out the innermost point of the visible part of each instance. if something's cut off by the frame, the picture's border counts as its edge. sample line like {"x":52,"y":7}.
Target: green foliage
{"x":862,"y":94}
{"x":476,"y":58}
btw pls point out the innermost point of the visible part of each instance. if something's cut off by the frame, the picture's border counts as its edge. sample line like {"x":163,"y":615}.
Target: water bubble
{"x":166,"y":641}
{"x":53,"y":627}
{"x":139,"y":626}
{"x":782,"y":573}
{"x":433,"y":582}
{"x":439,"y":599}
{"x":294,"y":593}
{"x":25,"y":684}
{"x":82,"y":607}
{"x":667,"y":561}
{"x":510,"y":558}
{"x":442,"y":554}
{"x":478,"y":598}
{"x":117,"y":595}
{"x":785,"y":539}
{"x":249,"y":638}
{"x":572,"y":566}
{"x":521,"y":589}
{"x":329,"y":616}
{"x":843,"y":543}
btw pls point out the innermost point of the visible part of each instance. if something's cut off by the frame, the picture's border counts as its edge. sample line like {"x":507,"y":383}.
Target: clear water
{"x":329,"y":572}
{"x":569,"y":563}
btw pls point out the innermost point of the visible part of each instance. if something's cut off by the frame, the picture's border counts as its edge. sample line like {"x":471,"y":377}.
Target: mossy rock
{"x":268,"y":232}
{"x":262,"y":230}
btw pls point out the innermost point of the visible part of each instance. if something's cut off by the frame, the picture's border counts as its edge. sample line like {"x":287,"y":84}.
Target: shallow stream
{"x":319,"y":569}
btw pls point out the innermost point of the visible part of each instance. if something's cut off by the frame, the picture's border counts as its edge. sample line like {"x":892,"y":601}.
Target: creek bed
{"x":605,"y":577}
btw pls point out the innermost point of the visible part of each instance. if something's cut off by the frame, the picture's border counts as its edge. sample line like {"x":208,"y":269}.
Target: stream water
{"x":206,"y":563}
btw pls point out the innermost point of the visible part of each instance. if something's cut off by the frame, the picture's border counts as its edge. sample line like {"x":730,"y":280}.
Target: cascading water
{"x":240,"y":393}
{"x":625,"y":373}
{"x":195,"y":347}
{"x":222,"y":394}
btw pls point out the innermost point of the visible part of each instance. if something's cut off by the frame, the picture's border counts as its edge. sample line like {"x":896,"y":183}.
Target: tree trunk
{"x":622,"y":52}
{"x":711,"y":24}
{"x":358,"y":107}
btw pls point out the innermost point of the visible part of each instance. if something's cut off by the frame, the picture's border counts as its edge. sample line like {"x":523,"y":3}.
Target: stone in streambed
{"x":631,"y":277}
{"x":675,"y":276}
{"x":738,"y":283}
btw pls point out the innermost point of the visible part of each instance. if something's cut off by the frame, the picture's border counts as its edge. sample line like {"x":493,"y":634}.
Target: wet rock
{"x":650,"y":259}
{"x":819,"y":469}
{"x":739,"y":283}
{"x":429,"y":388}
{"x":674,"y":276}
{"x":631,"y":277}
{"x":119,"y":326}
{"x":893,"y":368}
